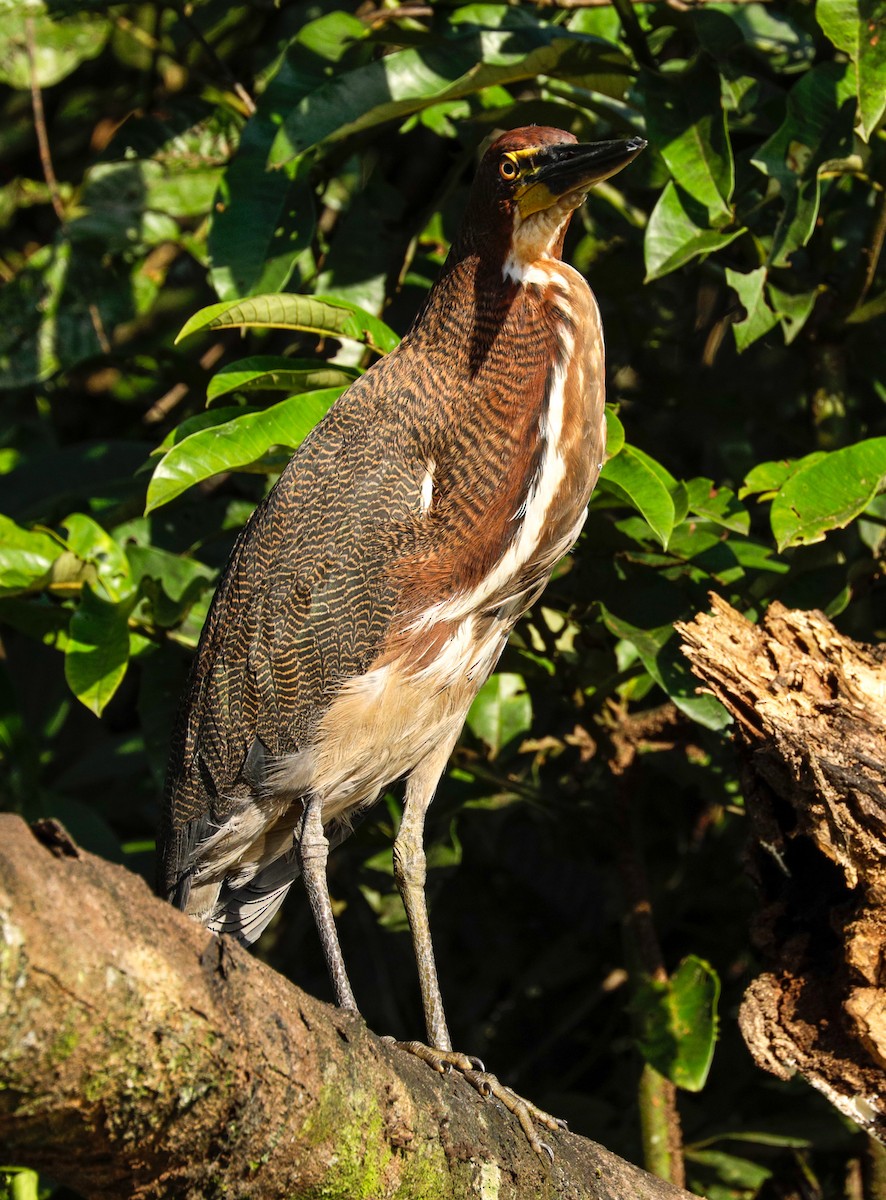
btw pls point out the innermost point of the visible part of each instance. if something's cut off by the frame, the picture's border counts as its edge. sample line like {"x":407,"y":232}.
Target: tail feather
{"x":245,"y":911}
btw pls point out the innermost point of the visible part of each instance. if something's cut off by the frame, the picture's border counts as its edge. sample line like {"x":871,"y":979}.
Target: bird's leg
{"x":313,"y":851}
{"x":410,"y":871}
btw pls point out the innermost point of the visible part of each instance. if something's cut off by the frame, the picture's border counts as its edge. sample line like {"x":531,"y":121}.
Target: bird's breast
{"x":532,"y":438}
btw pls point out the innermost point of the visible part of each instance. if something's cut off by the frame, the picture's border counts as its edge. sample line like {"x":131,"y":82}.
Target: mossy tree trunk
{"x":141,"y":1056}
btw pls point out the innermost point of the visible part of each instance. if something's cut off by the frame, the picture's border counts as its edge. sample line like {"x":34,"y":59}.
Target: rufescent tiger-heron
{"x":372,"y":592}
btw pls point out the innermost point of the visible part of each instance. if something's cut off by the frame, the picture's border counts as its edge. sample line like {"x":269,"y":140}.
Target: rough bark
{"x":141,"y":1056}
{"x":810,"y":716}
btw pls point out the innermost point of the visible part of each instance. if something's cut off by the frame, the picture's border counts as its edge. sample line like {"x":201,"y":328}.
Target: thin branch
{"x":40,"y":120}
{"x":163,"y":407}
{"x":874,"y":250}
{"x":634,"y":35}
{"x":403,"y":12}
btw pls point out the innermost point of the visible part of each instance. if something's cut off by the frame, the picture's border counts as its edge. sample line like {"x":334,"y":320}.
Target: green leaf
{"x":631,"y":476}
{"x":875,"y":307}
{"x":615,"y":432}
{"x":92,"y":544}
{"x":717,"y":504}
{"x":735,"y":1171}
{"x":326,"y":316}
{"x":759,"y":317}
{"x":759,"y":1138}
{"x":858,"y":28}
{"x":501,"y":711}
{"x":679,"y":231}
{"x":133,"y":203}
{"x":264,"y":220}
{"x":278,"y":374}
{"x":21,"y":1183}
{"x":677,"y":1023}
{"x":441,"y":69}
{"x":26,"y":558}
{"x":816,"y":131}
{"x":201,"y":420}
{"x":686,"y":123}
{"x":171,"y":584}
{"x":443,"y":854}
{"x":828,"y":493}
{"x":768,"y":477}
{"x":793,"y":309}
{"x":97,"y":652}
{"x":236,"y":444}
{"x":660,"y":654}
{"x":60,"y":45}
{"x":356,"y":268}
{"x":777,"y":36}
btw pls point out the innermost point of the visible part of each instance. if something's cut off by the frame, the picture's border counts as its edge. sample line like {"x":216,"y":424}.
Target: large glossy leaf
{"x":263,"y":219}
{"x":660,"y":654}
{"x":97,"y":652}
{"x":442,"y":69}
{"x":270,"y":373}
{"x":759,"y":317}
{"x":325,"y":316}
{"x":828,"y":493}
{"x":236,"y":444}
{"x":687,"y":125}
{"x":817,"y":131}
{"x":858,"y":28}
{"x":170,"y":584}
{"x":60,"y":44}
{"x":65,"y":307}
{"x":677,"y":1023}
{"x":630,"y":475}
{"x":615,"y":432}
{"x":717,"y":504}
{"x":357,"y":266}
{"x":501,"y":711}
{"x":133,"y":203}
{"x":93,"y":545}
{"x":678,"y":231}
{"x":26,"y":557}
{"x":766,"y":478}
{"x":793,"y":308}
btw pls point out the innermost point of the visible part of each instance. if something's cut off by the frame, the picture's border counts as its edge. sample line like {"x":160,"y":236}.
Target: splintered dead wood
{"x":810,"y":716}
{"x":142,"y":1056}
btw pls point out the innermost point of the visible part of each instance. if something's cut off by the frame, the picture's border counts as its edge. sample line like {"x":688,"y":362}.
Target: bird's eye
{"x":507,"y":169}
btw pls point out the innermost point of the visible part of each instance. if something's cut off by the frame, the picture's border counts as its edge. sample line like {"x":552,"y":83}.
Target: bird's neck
{"x":465,"y":310}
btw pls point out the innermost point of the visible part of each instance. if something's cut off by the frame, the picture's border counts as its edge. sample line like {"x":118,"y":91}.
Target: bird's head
{"x":527,"y":187}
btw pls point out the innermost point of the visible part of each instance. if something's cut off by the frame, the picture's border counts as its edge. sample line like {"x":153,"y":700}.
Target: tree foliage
{"x":215,"y":217}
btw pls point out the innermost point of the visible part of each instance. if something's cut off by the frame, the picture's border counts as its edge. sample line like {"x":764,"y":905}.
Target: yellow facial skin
{"x":534,"y":195}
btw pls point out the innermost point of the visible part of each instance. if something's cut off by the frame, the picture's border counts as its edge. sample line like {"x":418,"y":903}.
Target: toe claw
{"x":488,"y":1086}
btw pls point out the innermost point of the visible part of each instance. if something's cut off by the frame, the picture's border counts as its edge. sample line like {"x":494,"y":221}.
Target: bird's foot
{"x":528,"y":1114}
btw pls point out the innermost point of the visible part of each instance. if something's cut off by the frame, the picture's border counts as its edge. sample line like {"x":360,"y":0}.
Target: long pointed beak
{"x":574,"y":168}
